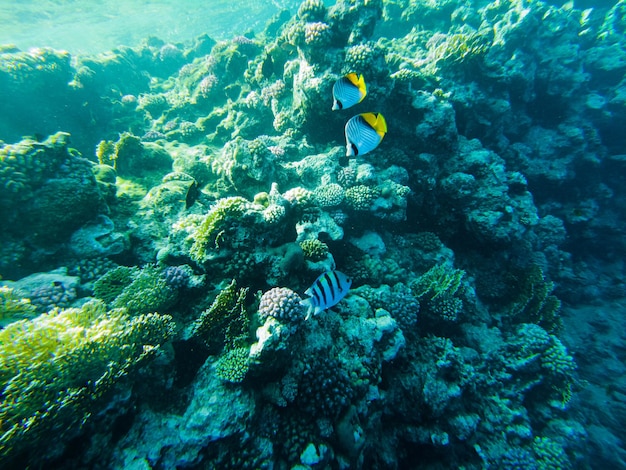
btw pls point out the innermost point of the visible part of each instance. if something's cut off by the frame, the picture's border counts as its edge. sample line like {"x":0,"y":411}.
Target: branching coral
{"x":360,"y":197}
{"x":226,"y":319}
{"x":536,"y":303}
{"x":438,"y":290}
{"x":13,"y":307}
{"x":314,"y":249}
{"x":233,"y":365}
{"x":53,"y":368}
{"x":113,"y":282}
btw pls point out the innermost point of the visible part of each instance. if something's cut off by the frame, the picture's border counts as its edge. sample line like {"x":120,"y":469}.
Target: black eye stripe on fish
{"x":348,"y":91}
{"x":364,"y":132}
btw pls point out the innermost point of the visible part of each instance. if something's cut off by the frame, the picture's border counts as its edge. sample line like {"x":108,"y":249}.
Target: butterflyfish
{"x":348,"y":91}
{"x":364,"y":132}
{"x":327,"y":291}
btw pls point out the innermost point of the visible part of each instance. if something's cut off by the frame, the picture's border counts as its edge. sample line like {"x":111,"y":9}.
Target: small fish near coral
{"x":327,"y":291}
{"x":348,"y":91}
{"x":364,"y":132}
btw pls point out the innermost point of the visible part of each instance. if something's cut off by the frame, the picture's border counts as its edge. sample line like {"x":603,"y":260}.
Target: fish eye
{"x":354,"y":149}
{"x":339,"y":104}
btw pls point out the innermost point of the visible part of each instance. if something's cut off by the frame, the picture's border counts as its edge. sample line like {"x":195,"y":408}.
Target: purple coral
{"x":55,"y":294}
{"x":283,"y":304}
{"x":176,"y":277}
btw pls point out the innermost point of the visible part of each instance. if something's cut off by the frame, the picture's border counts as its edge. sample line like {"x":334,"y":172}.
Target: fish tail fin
{"x":309,"y":306}
{"x":362,"y":87}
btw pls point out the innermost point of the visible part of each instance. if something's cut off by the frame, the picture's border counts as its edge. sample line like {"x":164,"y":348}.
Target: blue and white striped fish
{"x":364,"y":132}
{"x":348,"y":91}
{"x":326,"y":291}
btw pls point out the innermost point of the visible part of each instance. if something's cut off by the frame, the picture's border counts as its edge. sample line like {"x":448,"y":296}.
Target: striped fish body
{"x":327,"y":291}
{"x":364,"y":132}
{"x":348,"y":91}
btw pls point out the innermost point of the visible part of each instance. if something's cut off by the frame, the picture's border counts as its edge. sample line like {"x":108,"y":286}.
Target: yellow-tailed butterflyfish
{"x":364,"y":132}
{"x":348,"y":91}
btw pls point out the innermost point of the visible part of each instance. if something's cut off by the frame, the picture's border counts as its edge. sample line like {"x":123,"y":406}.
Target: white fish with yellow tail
{"x":348,"y":91}
{"x":364,"y":132}
{"x":327,"y":291}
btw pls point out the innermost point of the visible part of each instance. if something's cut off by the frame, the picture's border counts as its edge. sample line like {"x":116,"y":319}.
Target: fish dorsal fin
{"x":354,"y":78}
{"x":377,"y":122}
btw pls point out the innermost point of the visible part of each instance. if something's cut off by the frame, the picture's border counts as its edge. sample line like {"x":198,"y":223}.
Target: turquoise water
{"x":312,"y":235}
{"x":89,"y":27}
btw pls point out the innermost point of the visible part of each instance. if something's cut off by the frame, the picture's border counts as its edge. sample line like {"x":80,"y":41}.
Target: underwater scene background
{"x":202,"y":266}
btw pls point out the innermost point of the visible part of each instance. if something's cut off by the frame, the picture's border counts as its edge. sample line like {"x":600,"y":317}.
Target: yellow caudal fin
{"x":377,"y":122}
{"x":359,"y":82}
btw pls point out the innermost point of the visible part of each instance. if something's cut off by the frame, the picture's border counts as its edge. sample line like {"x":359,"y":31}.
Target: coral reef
{"x":207,"y":171}
{"x":48,"y":192}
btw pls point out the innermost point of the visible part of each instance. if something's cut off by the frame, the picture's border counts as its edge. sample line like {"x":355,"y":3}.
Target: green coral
{"x":312,"y":10}
{"x":226,"y":320}
{"x":105,"y":151}
{"x":314,"y":249}
{"x":439,"y":290}
{"x":535,"y":303}
{"x":233,"y":365}
{"x":456,"y":48}
{"x":55,"y":367}
{"x":440,"y":280}
{"x":13,"y":307}
{"x":214,"y":224}
{"x":113,"y":283}
{"x":361,"y":197}
{"x":148,"y":292}
{"x":329,"y":195}
{"x":550,"y":454}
